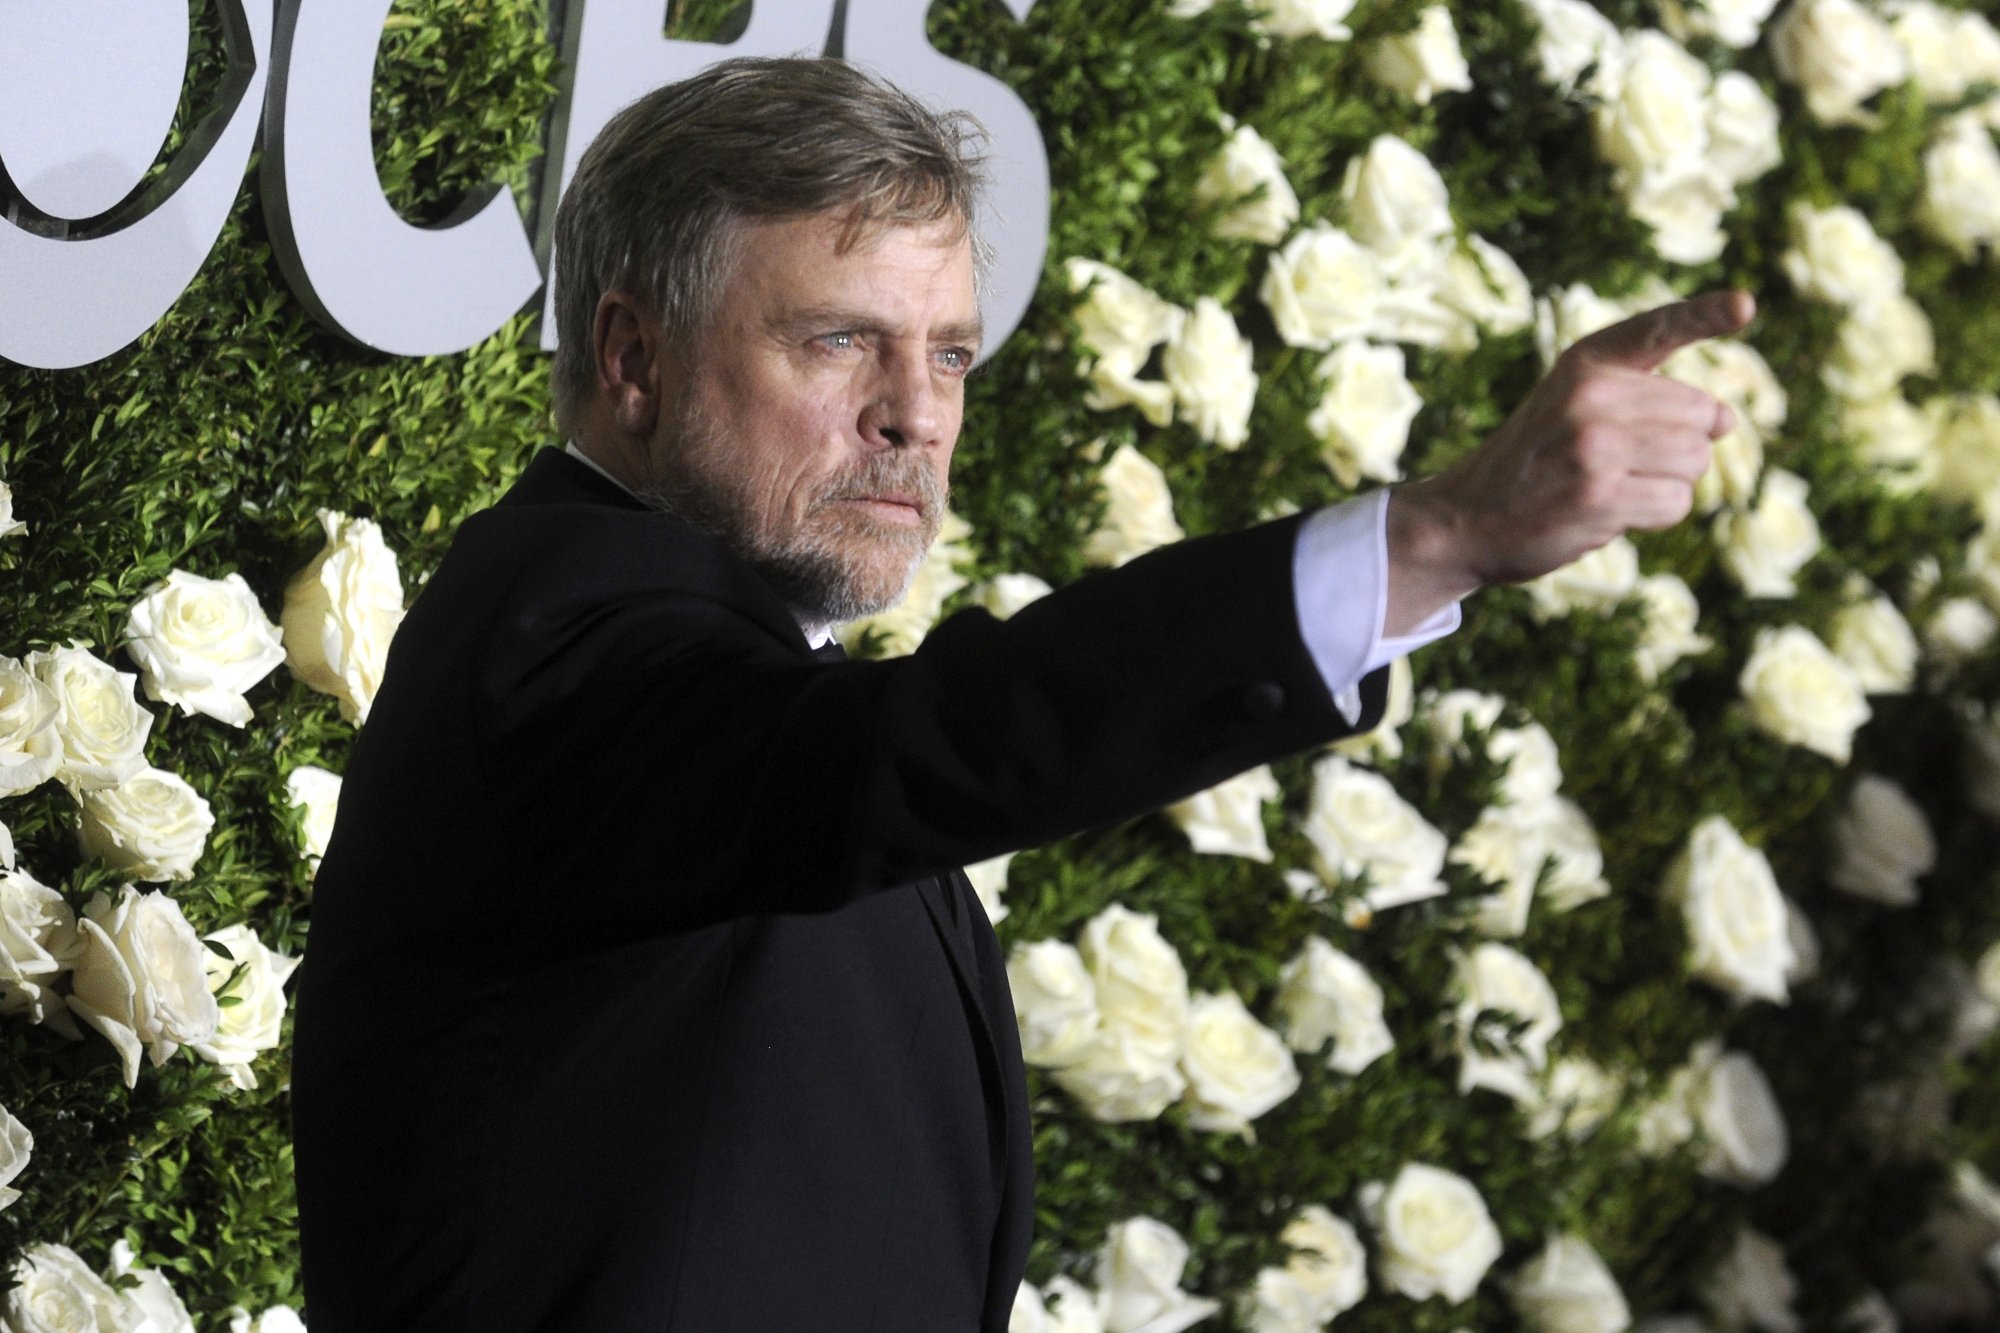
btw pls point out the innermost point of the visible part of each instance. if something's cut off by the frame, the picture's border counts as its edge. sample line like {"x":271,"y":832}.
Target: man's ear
{"x":631,"y":360}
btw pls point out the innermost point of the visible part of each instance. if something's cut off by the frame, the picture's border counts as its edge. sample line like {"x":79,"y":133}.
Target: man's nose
{"x":906,"y":406}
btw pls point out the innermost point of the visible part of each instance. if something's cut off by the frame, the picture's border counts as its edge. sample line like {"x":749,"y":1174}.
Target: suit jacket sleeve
{"x":759,"y":780}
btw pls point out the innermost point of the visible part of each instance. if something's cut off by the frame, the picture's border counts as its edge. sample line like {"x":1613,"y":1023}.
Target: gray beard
{"x":806,"y":569}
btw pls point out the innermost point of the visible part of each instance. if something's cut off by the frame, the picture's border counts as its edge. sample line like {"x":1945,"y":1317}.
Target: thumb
{"x":1644,"y":341}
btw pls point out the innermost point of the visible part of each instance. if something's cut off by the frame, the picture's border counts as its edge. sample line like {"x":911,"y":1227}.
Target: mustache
{"x":884,"y":474}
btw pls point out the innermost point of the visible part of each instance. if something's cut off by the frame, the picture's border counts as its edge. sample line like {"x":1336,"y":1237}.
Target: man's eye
{"x":956,"y":358}
{"x":839,"y":342}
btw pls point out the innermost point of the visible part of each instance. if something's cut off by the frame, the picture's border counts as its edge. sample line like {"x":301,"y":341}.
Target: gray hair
{"x":657,"y":204}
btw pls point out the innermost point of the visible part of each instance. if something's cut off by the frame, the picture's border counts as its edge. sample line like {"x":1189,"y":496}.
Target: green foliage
{"x":212,"y":443}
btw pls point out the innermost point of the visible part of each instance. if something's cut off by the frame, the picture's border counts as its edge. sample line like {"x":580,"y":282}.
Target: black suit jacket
{"x":643,"y":991}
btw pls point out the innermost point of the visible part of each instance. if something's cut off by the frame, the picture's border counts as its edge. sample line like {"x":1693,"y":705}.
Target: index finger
{"x":1644,"y":341}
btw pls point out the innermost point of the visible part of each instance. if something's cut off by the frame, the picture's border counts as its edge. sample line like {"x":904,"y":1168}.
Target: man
{"x":644,"y":991}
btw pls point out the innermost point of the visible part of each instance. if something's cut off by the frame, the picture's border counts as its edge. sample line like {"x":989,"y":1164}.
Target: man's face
{"x":813,"y":427}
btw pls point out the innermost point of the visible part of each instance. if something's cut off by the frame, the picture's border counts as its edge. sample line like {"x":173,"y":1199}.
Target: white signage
{"x":87,"y":94}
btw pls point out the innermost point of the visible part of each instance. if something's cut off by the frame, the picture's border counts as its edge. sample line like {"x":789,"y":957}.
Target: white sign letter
{"x":71,"y":301}
{"x":412,"y":291}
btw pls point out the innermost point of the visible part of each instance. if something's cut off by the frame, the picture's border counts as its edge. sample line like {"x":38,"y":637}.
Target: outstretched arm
{"x":1601,"y":446}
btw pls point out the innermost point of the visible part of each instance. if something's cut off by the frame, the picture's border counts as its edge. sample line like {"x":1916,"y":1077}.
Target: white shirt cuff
{"x":1340,"y":581}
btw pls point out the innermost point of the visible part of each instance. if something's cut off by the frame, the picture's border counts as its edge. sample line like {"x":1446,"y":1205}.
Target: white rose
{"x":1123,"y":1076}
{"x":1071,"y":1308}
{"x":1597,"y":581}
{"x":1499,"y":990}
{"x":1733,"y":912}
{"x":9,"y":525}
{"x":1948,"y":50}
{"x":1228,"y":818}
{"x":202,"y":643}
{"x":1328,"y":1261}
{"x":903,"y":626}
{"x":340,"y":613}
{"x":57,"y":1293}
{"x":989,"y":881}
{"x":1005,"y":594}
{"x":254,"y":1022}
{"x":1324,"y":995}
{"x":100,"y":724}
{"x":1884,"y":338}
{"x":1304,"y":18}
{"x":1838,"y":54}
{"x":1483,"y":283}
{"x":1671,"y":619}
{"x":16,"y":1146}
{"x":1249,"y":175}
{"x":1453,"y":716}
{"x":150,"y":1294}
{"x":1365,"y":409}
{"x":1966,"y":446}
{"x":141,"y":977}
{"x":1742,"y":1126}
{"x":1961,"y":204}
{"x":1574,"y":312}
{"x":1577,"y":1095}
{"x":1139,"y":513}
{"x":1277,"y":1302}
{"x":1435,"y":1236}
{"x":1836,"y":255}
{"x":1575,"y":37}
{"x":1894,"y":437}
{"x":1657,"y":123}
{"x":1763,"y":547}
{"x":277,"y":1319}
{"x":1736,"y":23}
{"x":1875,"y":640}
{"x":1424,"y":61}
{"x":37,"y":943}
{"x":1683,"y":204}
{"x":1121,"y":322}
{"x":1958,"y":631}
{"x":1882,"y":844}
{"x":317,"y":794}
{"x":1323,"y":287}
{"x":1752,"y":1287}
{"x":1534,"y":768}
{"x":1395,"y":196}
{"x":1576,"y":875}
{"x":1799,"y":692}
{"x":1207,"y":364}
{"x":1742,"y":128}
{"x":1138,"y":1280}
{"x":1509,"y":852}
{"x":30,"y":748}
{"x":1567,"y":1289}
{"x":152,"y":826}
{"x":1055,"y":1002}
{"x":1237,"y":1069}
{"x":1358,"y":824}
{"x":1141,"y":984}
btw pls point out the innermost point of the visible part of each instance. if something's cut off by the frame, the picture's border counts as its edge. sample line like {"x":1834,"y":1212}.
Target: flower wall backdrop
{"x":1644,"y":967}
